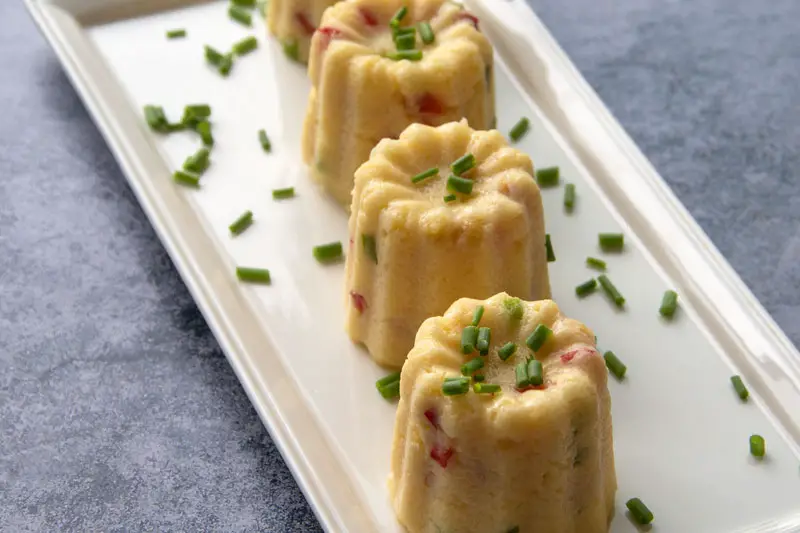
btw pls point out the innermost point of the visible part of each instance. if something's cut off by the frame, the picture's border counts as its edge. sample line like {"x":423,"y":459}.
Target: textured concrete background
{"x":118,"y":412}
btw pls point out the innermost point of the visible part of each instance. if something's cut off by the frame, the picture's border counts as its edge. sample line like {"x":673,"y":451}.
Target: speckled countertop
{"x":118,"y":412}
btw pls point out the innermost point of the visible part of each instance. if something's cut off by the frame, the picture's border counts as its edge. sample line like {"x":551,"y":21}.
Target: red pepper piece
{"x":359,"y":302}
{"x":470,"y":17}
{"x":368,"y":16}
{"x":433,"y":418}
{"x":304,"y":23}
{"x":327,"y":34}
{"x":569,"y":356}
{"x":442,"y":455}
{"x":429,"y":105}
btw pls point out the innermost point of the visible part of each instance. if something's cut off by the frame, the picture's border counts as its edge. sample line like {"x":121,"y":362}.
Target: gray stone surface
{"x":118,"y":412}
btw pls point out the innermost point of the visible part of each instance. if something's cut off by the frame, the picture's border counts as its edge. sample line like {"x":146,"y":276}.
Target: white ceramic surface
{"x":681,"y":434}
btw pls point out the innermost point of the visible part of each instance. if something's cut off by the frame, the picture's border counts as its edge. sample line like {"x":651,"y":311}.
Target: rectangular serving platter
{"x":681,"y":435}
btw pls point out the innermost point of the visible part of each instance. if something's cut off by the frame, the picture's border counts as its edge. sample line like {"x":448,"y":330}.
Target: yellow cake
{"x":293,"y":22}
{"x":540,"y":459}
{"x":413,"y":253}
{"x":361,"y":95}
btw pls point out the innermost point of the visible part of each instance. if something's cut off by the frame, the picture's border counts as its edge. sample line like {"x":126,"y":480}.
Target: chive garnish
{"x":406,"y":41}
{"x":463,"y":164}
{"x":242,"y":223}
{"x":449,"y":198}
{"x":569,"y":197}
{"x":178,"y":126}
{"x":757,"y":446}
{"x":203,"y":128}
{"x":639,"y":511}
{"x":186,"y":178}
{"x":327,"y":253}
{"x":520,"y":129}
{"x":426,"y":32}
{"x":253,"y":275}
{"x":264,"y":140}
{"x":455,"y":386}
{"x":521,"y":375}
{"x":155,"y":117}
{"x":611,"y":290}
{"x":469,"y":338}
{"x":370,"y":247}
{"x":425,"y":175}
{"x":197,"y":162}
{"x":615,"y":366}
{"x":386,"y":380}
{"x":739,"y":387}
{"x":213,"y":56}
{"x":176,"y":34}
{"x":462,"y":185}
{"x":484,"y":339}
{"x":392,"y":390}
{"x":472,"y":366}
{"x":226,"y":65}
{"x":514,"y":307}
{"x":611,"y":242}
{"x":506,"y":351}
{"x":551,"y":255}
{"x":586,"y":288}
{"x":194,"y":112}
{"x":292,"y":50}
{"x":535,"y":370}
{"x":477,"y":315}
{"x":398,"y":17}
{"x":411,"y":55}
{"x":283,"y":194}
{"x":669,"y":303}
{"x":404,"y":31}
{"x":245,"y":3}
{"x":245,"y":46}
{"x":597,"y":264}
{"x":240,"y":15}
{"x":486,"y":388}
{"x":539,"y":336}
{"x":478,"y":377}
{"x":548,"y":177}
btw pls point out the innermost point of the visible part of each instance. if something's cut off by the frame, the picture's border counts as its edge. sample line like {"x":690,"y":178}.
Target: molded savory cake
{"x":293,"y":22}
{"x":419,"y":242}
{"x":371,"y":78}
{"x":536,"y":455}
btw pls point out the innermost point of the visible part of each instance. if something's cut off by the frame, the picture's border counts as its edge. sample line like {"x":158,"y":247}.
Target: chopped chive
{"x":426,"y":32}
{"x":739,"y":387}
{"x":455,"y":387}
{"x":155,"y":117}
{"x":449,"y":198}
{"x":757,"y":446}
{"x":486,"y":388}
{"x":425,"y":175}
{"x":477,"y":315}
{"x":411,"y":55}
{"x":469,"y":338}
{"x":639,"y":511}
{"x":197,"y":162}
{"x":291,"y":49}
{"x":283,"y":194}
{"x":213,"y":56}
{"x":484,"y":339}
{"x":370,"y":247}
{"x":398,"y":17}
{"x":611,"y":290}
{"x":242,"y":223}
{"x":514,"y":307}
{"x":478,"y":377}
{"x":392,"y":390}
{"x":179,"y":126}
{"x":203,"y":128}
{"x":521,"y":375}
{"x":569,"y":197}
{"x":327,"y":253}
{"x":264,"y":140}
{"x":551,"y":255}
{"x":245,"y":3}
{"x":463,"y":164}
{"x":404,"y":31}
{"x":597,"y":264}
{"x":520,"y":129}
{"x":611,"y":242}
{"x":226,"y":65}
{"x":240,"y":15}
{"x":186,"y":178}
{"x":535,"y":370}
{"x":669,"y":303}
{"x":386,"y":380}
{"x":462,"y":185}
{"x":406,"y":41}
{"x":539,"y":336}
{"x":176,"y":34}
{"x":193,"y":112}
{"x":245,"y":46}
{"x":506,"y":351}
{"x":586,"y":288}
{"x":615,"y":366}
{"x":548,"y":177}
{"x":253,"y":275}
{"x":472,"y":366}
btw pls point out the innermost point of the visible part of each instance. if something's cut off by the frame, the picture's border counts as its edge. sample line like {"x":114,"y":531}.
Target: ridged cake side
{"x":359,"y":96}
{"x":428,"y":253}
{"x":293,"y":23}
{"x":541,"y":460}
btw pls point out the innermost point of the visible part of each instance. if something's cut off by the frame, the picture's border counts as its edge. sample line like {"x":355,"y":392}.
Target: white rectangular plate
{"x":681,"y":434}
